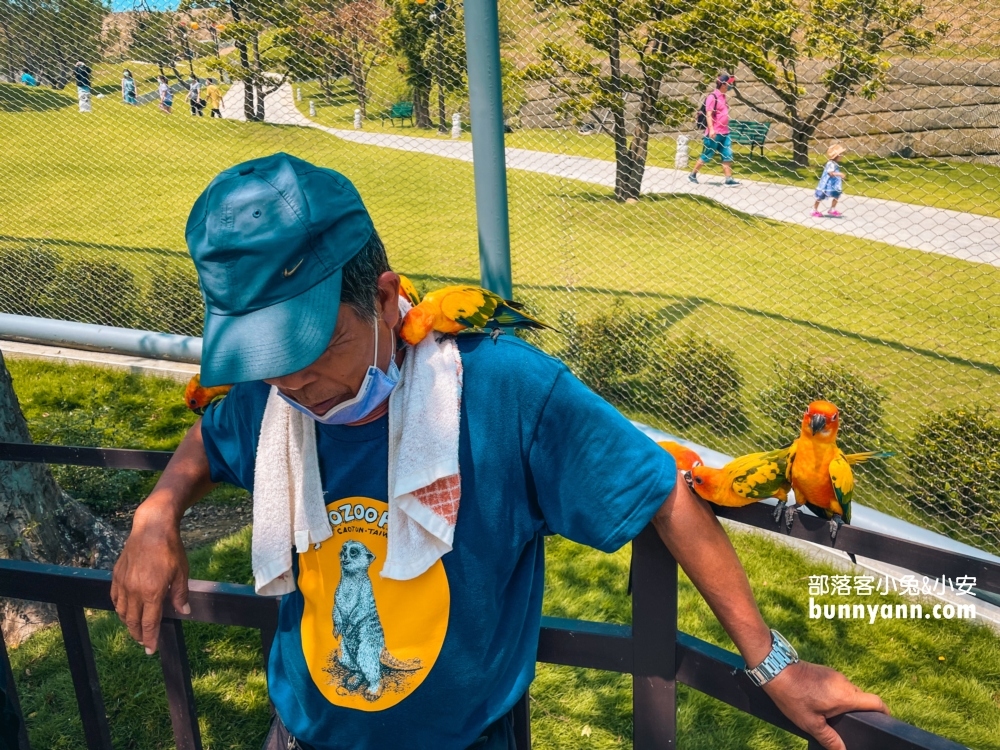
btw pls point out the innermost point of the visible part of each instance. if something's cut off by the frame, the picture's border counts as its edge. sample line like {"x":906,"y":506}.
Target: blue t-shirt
{"x":364,"y":662}
{"x":827,"y":182}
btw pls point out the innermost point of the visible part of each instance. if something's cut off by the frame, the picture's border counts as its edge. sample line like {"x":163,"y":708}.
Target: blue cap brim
{"x":273,"y":341}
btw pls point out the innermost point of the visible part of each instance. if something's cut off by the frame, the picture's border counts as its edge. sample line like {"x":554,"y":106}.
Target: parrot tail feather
{"x":860,"y":458}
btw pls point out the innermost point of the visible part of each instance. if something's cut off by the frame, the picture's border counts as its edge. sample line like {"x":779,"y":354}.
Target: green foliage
{"x":96,"y":291}
{"x":172,"y":301}
{"x":772,"y":38}
{"x":698,"y":381}
{"x":954,"y":462}
{"x":26,"y":275}
{"x":801,"y":382}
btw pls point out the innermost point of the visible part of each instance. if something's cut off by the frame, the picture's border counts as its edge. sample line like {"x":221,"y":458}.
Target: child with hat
{"x":831,"y":183}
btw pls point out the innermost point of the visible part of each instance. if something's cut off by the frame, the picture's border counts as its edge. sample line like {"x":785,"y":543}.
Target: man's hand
{"x":809,"y":694}
{"x":152,"y":564}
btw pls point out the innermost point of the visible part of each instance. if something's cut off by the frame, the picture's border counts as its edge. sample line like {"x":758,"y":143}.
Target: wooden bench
{"x":749,"y":133}
{"x":401,"y":110}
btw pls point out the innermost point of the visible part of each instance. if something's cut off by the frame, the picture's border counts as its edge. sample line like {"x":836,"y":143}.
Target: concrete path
{"x":934,"y":230}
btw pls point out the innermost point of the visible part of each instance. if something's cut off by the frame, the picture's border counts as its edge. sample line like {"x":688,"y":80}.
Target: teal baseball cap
{"x":270,"y":238}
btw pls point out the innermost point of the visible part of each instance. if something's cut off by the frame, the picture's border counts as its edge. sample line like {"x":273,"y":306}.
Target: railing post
{"x":22,"y":733}
{"x":80,"y":655}
{"x":177,"y":679}
{"x":654,"y":643}
{"x":522,"y":723}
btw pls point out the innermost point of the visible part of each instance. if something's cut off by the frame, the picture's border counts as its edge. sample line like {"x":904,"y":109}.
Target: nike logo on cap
{"x":294,"y":269}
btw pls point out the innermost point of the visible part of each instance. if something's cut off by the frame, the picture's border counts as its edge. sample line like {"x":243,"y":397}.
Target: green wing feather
{"x":843,"y":484}
{"x":509,"y":315}
{"x":860,"y":458}
{"x":471,"y":306}
{"x":762,"y":475}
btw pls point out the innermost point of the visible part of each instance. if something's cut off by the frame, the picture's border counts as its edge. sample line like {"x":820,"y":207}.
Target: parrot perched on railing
{"x":820,"y":472}
{"x":455,"y":308}
{"x":197,"y":397}
{"x":744,"y":480}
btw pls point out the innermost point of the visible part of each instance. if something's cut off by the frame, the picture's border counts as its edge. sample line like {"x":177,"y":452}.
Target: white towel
{"x":424,"y":481}
{"x":288,"y":507}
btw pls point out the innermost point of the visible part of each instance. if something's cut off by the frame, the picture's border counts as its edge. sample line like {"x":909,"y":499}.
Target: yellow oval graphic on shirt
{"x":368,"y":641}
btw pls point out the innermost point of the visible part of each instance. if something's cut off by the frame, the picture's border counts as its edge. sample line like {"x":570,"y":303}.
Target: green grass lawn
{"x":940,"y":675}
{"x":921,"y":326}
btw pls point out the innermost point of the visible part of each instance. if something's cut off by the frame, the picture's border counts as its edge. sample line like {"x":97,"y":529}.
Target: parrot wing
{"x":469,"y":305}
{"x":408,"y":290}
{"x":509,"y":315}
{"x":843,"y":484}
{"x":860,"y":458}
{"x":761,"y":475}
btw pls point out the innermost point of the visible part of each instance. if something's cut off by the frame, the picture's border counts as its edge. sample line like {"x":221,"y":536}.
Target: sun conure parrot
{"x":454,"y":308}
{"x":819,"y":471}
{"x":744,"y":480}
{"x":685,"y":458}
{"x":197,"y":398}
{"x":408,"y":291}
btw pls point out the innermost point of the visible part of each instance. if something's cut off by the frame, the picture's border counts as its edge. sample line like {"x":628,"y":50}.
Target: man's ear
{"x":388,"y":297}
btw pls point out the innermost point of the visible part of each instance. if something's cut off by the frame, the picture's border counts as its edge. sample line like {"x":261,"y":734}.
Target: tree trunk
{"x":801,"y":135}
{"x":39,"y":522}
{"x":258,"y":79}
{"x":249,"y":111}
{"x":360,"y":84}
{"x":622,"y":160}
{"x":422,"y":106}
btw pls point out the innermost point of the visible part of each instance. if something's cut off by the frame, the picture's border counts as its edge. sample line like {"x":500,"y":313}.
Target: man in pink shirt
{"x":717,"y":138}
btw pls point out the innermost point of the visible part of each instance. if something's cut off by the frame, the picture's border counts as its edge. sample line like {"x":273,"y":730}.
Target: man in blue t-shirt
{"x":300,"y":297}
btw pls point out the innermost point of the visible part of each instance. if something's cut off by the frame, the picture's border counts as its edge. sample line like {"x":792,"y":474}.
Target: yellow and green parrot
{"x":455,"y":308}
{"x":197,"y":397}
{"x":819,"y":471}
{"x":744,"y":480}
{"x":685,"y":458}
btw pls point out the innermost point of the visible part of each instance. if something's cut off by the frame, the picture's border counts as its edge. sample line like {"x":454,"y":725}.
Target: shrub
{"x":954,"y":463}
{"x":172,"y":302}
{"x":698,"y":380}
{"x":96,"y":291}
{"x":26,"y":277}
{"x":799,"y":383}
{"x":610,"y":351}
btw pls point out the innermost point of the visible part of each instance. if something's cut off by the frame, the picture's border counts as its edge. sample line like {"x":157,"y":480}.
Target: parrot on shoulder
{"x":685,"y":458}
{"x":820,"y":472}
{"x":455,"y":308}
{"x":408,"y":291}
{"x":744,"y":480}
{"x":197,"y":397}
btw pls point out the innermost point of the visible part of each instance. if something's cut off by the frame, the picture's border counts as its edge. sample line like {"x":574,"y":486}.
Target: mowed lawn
{"x":940,"y":675}
{"x":118,"y":184}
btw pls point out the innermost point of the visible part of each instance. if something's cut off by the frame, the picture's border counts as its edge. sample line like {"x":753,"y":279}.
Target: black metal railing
{"x":652,"y":650}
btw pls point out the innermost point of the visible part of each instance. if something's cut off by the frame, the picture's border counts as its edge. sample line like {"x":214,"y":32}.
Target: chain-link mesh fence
{"x":715,"y":311}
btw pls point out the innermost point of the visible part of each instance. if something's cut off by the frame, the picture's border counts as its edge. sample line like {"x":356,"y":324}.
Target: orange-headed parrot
{"x":685,"y":458}
{"x":745,"y":480}
{"x":454,"y":308}
{"x":408,"y":291}
{"x":197,"y":398}
{"x":819,"y":471}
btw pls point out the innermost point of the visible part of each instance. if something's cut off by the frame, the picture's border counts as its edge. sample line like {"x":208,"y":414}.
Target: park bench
{"x":402,"y":110}
{"x":749,"y":133}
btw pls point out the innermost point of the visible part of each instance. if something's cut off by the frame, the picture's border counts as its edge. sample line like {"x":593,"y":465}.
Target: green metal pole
{"x":482,"y":45}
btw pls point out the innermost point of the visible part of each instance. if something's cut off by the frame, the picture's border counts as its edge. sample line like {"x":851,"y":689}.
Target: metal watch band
{"x":782,"y":654}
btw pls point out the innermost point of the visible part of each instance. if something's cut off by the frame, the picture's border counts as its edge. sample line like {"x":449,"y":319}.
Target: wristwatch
{"x":782,"y":654}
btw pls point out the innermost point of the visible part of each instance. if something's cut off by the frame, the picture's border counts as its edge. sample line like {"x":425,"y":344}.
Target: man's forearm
{"x":185,"y":481}
{"x":702,"y":548}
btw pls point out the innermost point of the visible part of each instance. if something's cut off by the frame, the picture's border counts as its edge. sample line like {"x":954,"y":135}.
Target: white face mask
{"x":374,"y":390}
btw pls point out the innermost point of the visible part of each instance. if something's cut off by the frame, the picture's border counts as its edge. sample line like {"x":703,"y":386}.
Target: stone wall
{"x":939,"y":108}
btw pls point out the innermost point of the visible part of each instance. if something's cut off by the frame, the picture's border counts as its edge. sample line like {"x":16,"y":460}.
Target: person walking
{"x":166,"y":95}
{"x":81,"y":71}
{"x":831,"y":182}
{"x":194,"y":96}
{"x":716,"y":122}
{"x":128,"y":87}
{"x":213,"y":96}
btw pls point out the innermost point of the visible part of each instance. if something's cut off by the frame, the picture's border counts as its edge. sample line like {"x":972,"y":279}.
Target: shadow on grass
{"x":78,"y":244}
{"x":14,"y":98}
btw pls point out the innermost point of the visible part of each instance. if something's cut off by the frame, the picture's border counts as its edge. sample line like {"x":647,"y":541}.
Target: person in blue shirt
{"x":831,"y":182}
{"x":300,"y":296}
{"x":27,"y":79}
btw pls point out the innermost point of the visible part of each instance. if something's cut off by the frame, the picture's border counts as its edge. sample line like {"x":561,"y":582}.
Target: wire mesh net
{"x":711,"y":261}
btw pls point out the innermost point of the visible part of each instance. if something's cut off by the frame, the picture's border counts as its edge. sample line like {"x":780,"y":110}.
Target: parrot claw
{"x":790,"y":514}
{"x":835,"y":523}
{"x":779,"y":510}
{"x":495,"y":334}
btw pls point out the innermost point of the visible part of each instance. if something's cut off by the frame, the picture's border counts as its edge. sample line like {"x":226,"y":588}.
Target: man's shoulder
{"x":506,"y":363}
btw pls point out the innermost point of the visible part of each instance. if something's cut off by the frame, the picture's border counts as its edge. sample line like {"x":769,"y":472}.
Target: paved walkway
{"x":935,"y":230}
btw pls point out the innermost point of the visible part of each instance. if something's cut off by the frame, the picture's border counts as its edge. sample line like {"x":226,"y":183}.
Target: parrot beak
{"x":689,"y":478}
{"x":817,"y":423}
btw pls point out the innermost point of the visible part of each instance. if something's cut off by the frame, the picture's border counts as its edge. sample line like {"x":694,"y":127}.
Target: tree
{"x":38,"y":521}
{"x":343,"y":40}
{"x":431,"y":50}
{"x":772,"y":38}
{"x":154,"y":39}
{"x":641,"y":42}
